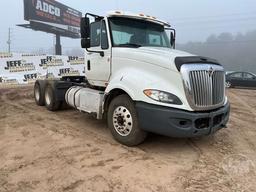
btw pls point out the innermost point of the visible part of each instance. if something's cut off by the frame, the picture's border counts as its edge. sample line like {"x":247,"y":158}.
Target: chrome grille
{"x":204,"y":85}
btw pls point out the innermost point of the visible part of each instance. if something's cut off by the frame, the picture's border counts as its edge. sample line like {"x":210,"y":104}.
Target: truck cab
{"x":119,"y":31}
{"x":138,"y":81}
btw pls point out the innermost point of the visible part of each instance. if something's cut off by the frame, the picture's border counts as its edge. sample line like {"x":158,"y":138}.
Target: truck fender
{"x":134,"y":81}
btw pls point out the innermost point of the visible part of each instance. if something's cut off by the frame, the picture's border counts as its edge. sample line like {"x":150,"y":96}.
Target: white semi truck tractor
{"x":139,"y":83}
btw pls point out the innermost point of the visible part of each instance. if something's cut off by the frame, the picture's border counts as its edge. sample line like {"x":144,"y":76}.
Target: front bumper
{"x":179,"y":123}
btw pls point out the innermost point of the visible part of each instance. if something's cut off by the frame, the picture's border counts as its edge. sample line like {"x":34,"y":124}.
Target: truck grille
{"x":204,"y":85}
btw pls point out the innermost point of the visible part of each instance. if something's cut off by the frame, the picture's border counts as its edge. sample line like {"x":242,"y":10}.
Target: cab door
{"x":98,"y":66}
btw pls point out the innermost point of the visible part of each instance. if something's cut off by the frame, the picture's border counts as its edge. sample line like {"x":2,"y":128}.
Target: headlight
{"x":162,"y":96}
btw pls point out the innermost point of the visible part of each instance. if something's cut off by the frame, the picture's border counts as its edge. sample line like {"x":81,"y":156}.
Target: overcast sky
{"x":194,"y":20}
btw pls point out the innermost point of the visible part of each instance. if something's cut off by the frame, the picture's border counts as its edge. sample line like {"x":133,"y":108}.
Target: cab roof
{"x":137,"y":16}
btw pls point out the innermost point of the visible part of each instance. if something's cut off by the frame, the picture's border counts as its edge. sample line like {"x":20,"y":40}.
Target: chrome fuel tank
{"x":85,"y":99}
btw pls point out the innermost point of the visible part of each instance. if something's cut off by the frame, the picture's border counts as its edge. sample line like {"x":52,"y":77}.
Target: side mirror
{"x":85,"y":27}
{"x":85,"y":43}
{"x":173,"y":39}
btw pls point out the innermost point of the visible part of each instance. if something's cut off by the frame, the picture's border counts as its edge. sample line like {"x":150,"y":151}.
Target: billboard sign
{"x":53,"y":17}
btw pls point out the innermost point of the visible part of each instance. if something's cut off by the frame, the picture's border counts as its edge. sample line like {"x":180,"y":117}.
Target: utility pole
{"x":58,"y":49}
{"x":9,"y":40}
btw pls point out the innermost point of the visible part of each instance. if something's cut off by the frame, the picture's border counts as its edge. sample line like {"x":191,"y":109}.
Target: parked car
{"x":241,"y":79}
{"x":228,"y":72}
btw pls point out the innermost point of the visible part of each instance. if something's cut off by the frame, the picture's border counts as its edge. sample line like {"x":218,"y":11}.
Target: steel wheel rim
{"x":122,"y":121}
{"x":47,"y":98}
{"x":37,"y":93}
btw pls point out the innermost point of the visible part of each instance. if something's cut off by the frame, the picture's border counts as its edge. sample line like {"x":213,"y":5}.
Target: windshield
{"x":136,"y":33}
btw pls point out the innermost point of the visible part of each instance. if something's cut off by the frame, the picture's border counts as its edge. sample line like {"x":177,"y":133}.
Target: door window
{"x":248,"y":76}
{"x":236,"y":75}
{"x":95,"y":34}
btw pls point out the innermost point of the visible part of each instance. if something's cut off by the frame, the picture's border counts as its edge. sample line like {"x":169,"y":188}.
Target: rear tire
{"x":39,"y":95}
{"x":123,"y":122}
{"x":51,"y":102}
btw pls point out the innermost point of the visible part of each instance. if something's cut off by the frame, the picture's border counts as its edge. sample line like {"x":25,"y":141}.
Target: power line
{"x":230,"y":42}
{"x":221,"y":42}
{"x":213,"y":25}
{"x":220,"y":20}
{"x":214,"y":16}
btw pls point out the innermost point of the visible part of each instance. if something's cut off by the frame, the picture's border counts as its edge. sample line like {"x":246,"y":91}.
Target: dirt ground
{"x":71,"y":151}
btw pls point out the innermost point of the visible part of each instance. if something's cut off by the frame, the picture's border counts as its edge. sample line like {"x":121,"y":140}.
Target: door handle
{"x":88,"y":65}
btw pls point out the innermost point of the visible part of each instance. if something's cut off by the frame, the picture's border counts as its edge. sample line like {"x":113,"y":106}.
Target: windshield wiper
{"x":129,"y":45}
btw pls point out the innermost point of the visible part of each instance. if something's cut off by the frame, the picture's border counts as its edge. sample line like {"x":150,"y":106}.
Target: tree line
{"x":235,"y":52}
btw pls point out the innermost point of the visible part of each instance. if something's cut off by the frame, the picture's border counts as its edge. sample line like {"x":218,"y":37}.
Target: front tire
{"x":123,"y":122}
{"x":51,"y":102}
{"x":39,"y":95}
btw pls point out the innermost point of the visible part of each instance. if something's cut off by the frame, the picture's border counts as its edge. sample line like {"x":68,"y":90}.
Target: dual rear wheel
{"x":46,"y":97}
{"x":39,"y":95}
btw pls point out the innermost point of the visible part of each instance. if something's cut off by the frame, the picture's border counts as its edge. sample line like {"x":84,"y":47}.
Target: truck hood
{"x":162,"y":57}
